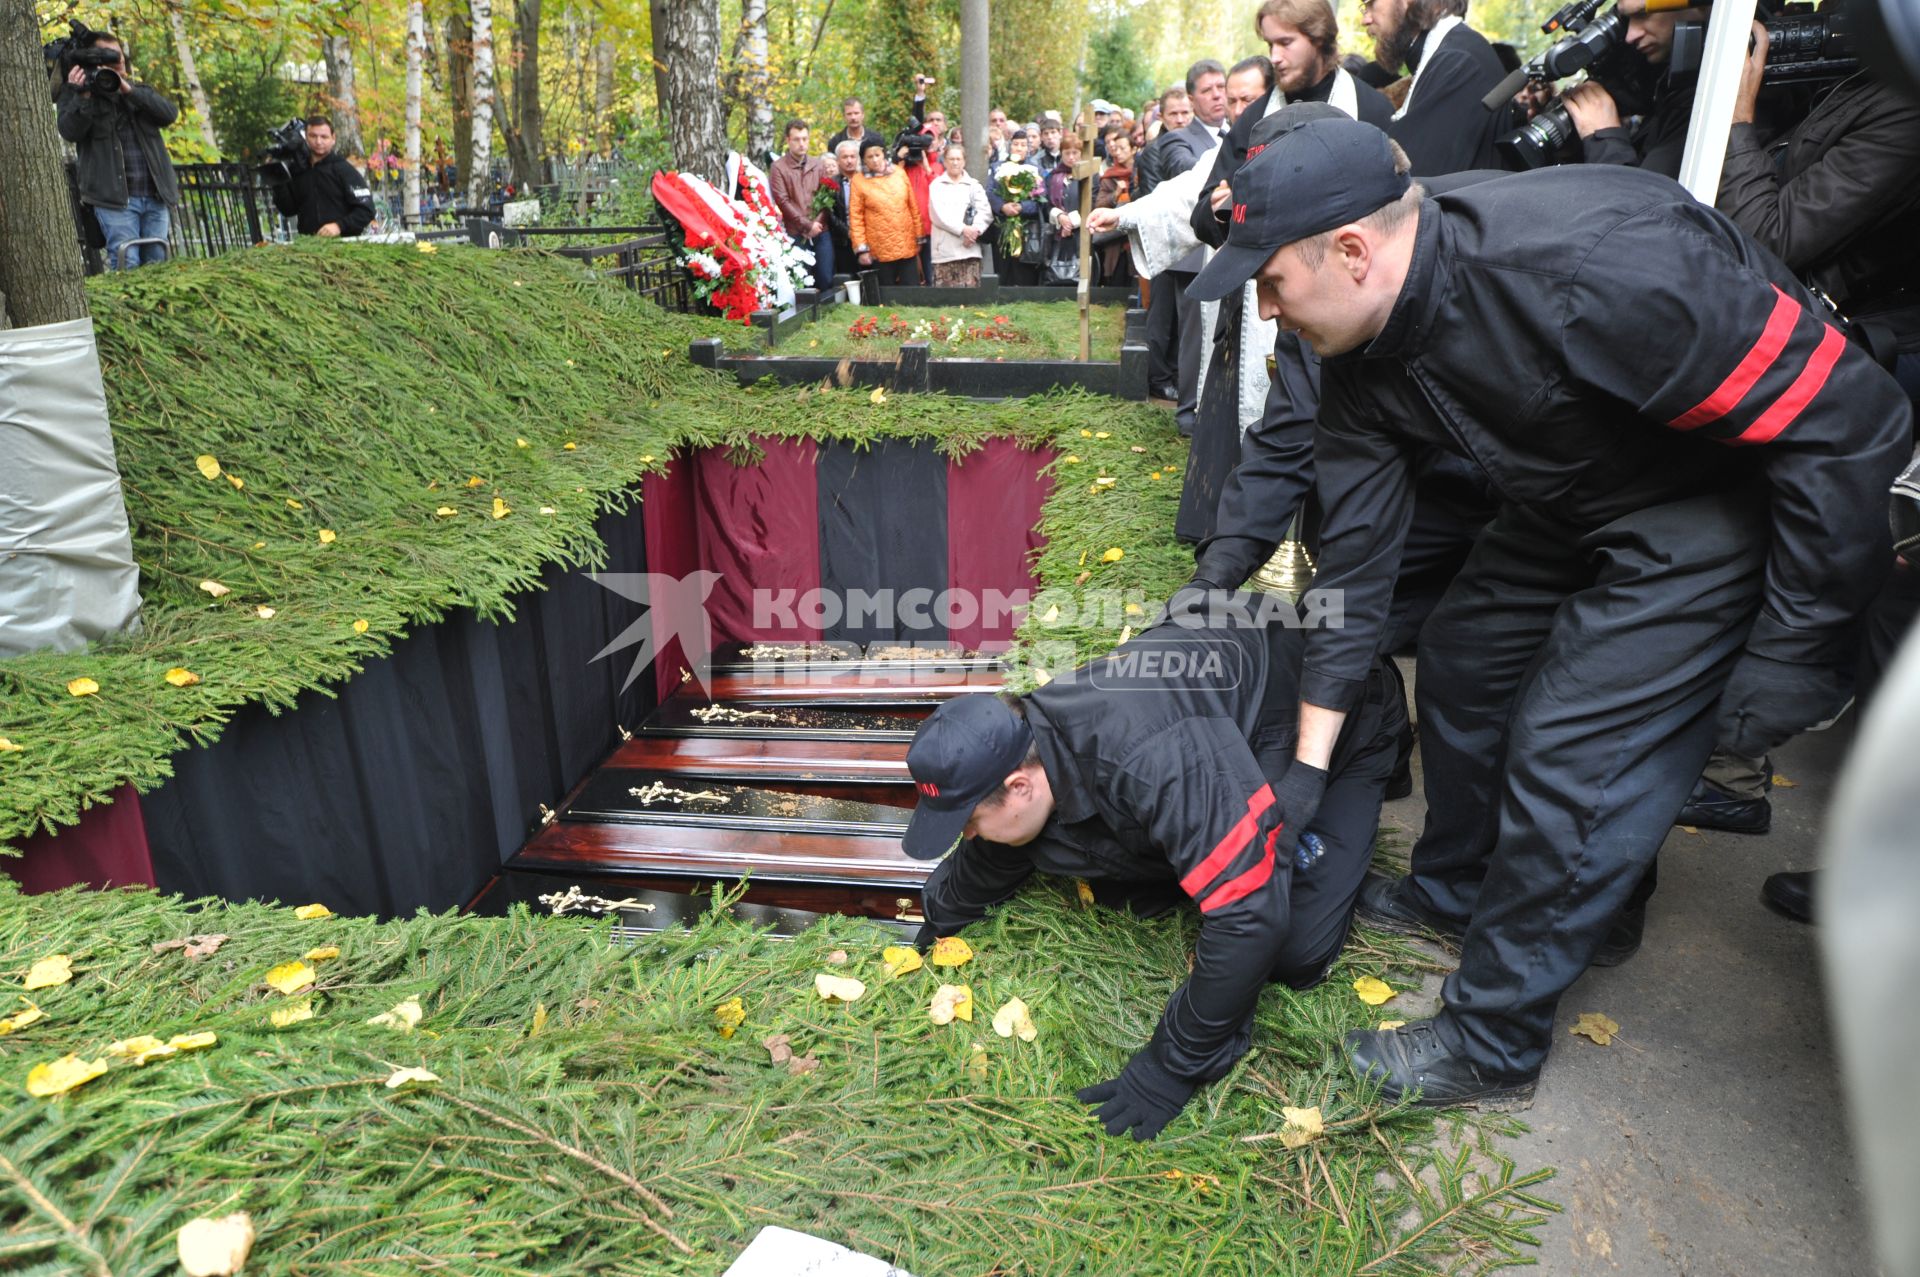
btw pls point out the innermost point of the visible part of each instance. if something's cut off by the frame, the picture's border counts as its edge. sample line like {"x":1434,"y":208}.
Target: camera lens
{"x":1535,"y":144}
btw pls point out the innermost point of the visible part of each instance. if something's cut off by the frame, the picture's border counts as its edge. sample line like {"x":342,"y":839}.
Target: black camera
{"x":286,"y":154}
{"x":1803,"y":46}
{"x":77,"y":49}
{"x":1592,"y":44}
{"x":914,"y":143}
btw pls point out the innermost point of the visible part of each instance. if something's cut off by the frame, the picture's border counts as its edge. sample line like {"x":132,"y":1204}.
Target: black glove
{"x":1143,"y":1099}
{"x":1767,"y":701}
{"x":1295,"y":801}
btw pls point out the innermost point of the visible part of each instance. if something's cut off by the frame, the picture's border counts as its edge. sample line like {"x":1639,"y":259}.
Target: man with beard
{"x":1442,"y":124}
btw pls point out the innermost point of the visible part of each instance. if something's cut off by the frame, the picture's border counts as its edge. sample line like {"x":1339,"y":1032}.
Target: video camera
{"x":1596,"y":45}
{"x":76,"y":49}
{"x":1803,"y":46}
{"x":287,"y":156}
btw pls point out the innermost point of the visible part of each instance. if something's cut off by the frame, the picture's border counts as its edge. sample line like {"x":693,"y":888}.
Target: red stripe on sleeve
{"x":1245,"y":885}
{"x":1790,"y":404}
{"x":1227,"y":848}
{"x":1773,"y":340}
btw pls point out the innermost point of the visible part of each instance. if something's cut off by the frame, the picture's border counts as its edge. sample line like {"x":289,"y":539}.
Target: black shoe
{"x":1400,"y":784}
{"x":1412,"y":1059}
{"x":1623,"y":937}
{"x":1383,"y":904}
{"x":1170,"y":393}
{"x":1711,"y":807}
{"x":1789,"y":894}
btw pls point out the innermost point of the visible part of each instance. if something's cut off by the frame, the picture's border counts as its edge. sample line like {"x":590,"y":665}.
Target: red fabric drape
{"x":759,"y":527}
{"x":108,"y":848}
{"x":993,"y":506}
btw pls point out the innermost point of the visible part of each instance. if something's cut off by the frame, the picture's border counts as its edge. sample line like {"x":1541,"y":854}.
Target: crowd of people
{"x":1612,"y":463}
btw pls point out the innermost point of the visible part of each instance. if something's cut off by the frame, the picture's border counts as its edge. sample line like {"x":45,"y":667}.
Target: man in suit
{"x":1176,"y":112}
{"x":1207,"y":89}
{"x":1442,"y":124}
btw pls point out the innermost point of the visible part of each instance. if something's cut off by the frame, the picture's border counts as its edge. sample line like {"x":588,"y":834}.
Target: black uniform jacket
{"x":1446,"y":127}
{"x":1657,"y":141}
{"x":1599,"y":343}
{"x":331,"y":190}
{"x":1211,"y":226}
{"x":1160,"y":757}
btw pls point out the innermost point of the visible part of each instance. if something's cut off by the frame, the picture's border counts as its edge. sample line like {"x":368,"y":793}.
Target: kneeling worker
{"x":1161,"y":772}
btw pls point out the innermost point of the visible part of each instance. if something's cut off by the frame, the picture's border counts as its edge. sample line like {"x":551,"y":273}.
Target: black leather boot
{"x":1790,"y":894}
{"x":1383,"y":904}
{"x":1411,"y":1059}
{"x":1711,"y":807}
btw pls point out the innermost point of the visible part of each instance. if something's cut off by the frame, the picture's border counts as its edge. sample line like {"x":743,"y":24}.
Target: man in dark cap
{"x":1689,"y":458}
{"x":1161,"y":773}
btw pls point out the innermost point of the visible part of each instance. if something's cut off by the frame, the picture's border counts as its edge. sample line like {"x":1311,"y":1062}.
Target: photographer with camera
{"x":314,"y":183}
{"x":126,"y":176}
{"x":1658,"y":138}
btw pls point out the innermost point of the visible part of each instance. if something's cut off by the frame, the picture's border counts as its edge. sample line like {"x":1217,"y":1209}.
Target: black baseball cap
{"x":1323,"y":174}
{"x":958,"y":757}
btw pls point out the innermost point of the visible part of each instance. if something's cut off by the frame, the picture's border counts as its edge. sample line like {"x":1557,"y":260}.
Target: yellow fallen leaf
{"x":403,"y":1017}
{"x":328,"y":536}
{"x":360,"y":626}
{"x":193,"y":1041}
{"x":813,"y":343}
{"x":264,"y":612}
{"x":900,"y":959}
{"x":951,"y":951}
{"x":1084,"y":577}
{"x":838,"y":988}
{"x":1372,"y":992}
{"x":1387,"y":1026}
{"x":878,"y":396}
{"x":141,"y":1049}
{"x":569,"y":447}
{"x":1154,"y":475}
{"x":292,"y":1013}
{"x":1084,"y":890}
{"x":729,"y":1015}
{"x":237,"y":482}
{"x":1134,"y":609}
{"x":475,"y":481}
{"x":1053,"y":614}
{"x":182,"y":677}
{"x":1781,"y":782}
{"x":323,"y":953}
{"x":445,"y":512}
{"x":426,"y":247}
{"x":1689,"y":829}
{"x":1105,"y":481}
{"x":1071,"y":460}
{"x":521,"y":443}
{"x":1083,"y":559}
{"x":401,"y":1077}
{"x":501,"y":509}
{"x":215,"y":1247}
{"x":1086,"y":434}
{"x":1596,"y":1026}
{"x":312,"y":913}
{"x":838,"y":958}
{"x":208,"y":465}
{"x":20,"y":1019}
{"x":646,"y":458}
{"x":569,"y":363}
{"x":539,"y":1022}
{"x":951,"y":1002}
{"x":1135,"y":448}
{"x":83,"y":687}
{"x":259,"y":545}
{"x":1114,"y":555}
{"x":1041,"y":676}
{"x":290,"y":977}
{"x":1013,"y":1020}
{"x":215,"y":588}
{"x":8,"y":747}
{"x":1303,"y":1126}
{"x":57,"y":1077}
{"x":1103,"y":434}
{"x":48,"y":972}
{"x":294,"y":505}
{"x":977,"y":1062}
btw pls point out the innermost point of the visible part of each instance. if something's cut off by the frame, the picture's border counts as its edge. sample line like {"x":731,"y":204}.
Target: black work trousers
{"x":1163,"y":323}
{"x":904,"y":273}
{"x":1566,"y":693}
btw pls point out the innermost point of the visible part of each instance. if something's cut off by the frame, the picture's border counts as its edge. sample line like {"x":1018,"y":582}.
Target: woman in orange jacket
{"x":885,"y":218}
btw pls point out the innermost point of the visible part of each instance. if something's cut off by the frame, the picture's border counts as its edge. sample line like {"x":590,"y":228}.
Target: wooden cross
{"x":1087,"y":168}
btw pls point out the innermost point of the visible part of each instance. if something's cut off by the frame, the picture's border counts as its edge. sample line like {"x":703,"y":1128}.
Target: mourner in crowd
{"x":885,"y":217}
{"x":125,"y":174}
{"x":854,"y":112}
{"x":1017,"y":253}
{"x":1161,"y":791}
{"x":795,"y":179}
{"x":846,"y":163}
{"x":961,"y":215}
{"x":1442,"y":122}
{"x":1692,"y":521}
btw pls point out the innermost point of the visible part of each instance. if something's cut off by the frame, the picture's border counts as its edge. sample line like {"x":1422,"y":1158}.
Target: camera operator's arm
{"x":286,"y":195}
{"x":357,"y":198}
{"x":76,"y":111}
{"x":150,"y":103}
{"x":1865,"y":174}
{"x":1596,"y":118}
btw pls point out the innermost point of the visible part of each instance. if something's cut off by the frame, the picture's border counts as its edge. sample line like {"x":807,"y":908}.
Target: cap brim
{"x":933,"y":831}
{"x":1232,"y":266}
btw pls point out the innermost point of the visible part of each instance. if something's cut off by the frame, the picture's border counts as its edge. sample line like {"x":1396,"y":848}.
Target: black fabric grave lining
{"x":883,"y":526}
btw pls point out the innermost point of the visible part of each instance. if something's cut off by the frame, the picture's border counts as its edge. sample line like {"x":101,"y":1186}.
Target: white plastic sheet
{"x":67,"y":576}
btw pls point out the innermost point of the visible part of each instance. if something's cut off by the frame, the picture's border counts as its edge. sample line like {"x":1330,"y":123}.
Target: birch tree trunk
{"x":603,"y":97}
{"x":695,"y":123}
{"x":190,"y":74}
{"x":338,"y":51}
{"x":416,"y":60}
{"x":479,"y":173}
{"x":40,"y":269}
{"x":759,"y":107}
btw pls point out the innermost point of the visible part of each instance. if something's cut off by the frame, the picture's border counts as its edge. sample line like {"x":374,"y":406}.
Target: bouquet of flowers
{"x":826,"y":199}
{"x":1019,"y":186}
{"x":739,"y":256}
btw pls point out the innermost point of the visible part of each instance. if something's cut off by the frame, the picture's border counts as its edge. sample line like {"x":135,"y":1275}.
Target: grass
{"x":1051,"y":330}
{"x":589,"y":1117}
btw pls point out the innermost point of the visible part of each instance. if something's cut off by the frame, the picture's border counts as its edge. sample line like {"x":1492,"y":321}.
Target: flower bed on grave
{"x":1022,"y":330}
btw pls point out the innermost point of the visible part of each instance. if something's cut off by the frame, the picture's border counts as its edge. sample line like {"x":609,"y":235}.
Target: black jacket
{"x":1624,"y":371}
{"x":1842,"y":205}
{"x":329,"y":191}
{"x":92,"y":123}
{"x":1211,"y":226}
{"x":1445,"y":127}
{"x":1657,"y":142}
{"x":1162,"y":778}
{"x":1149,"y":166}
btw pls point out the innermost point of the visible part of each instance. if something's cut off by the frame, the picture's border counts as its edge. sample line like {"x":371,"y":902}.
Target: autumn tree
{"x":40,"y":269}
{"x":690,"y":39}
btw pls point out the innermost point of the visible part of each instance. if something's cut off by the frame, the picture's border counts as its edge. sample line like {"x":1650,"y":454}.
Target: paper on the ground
{"x":781,"y":1252}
